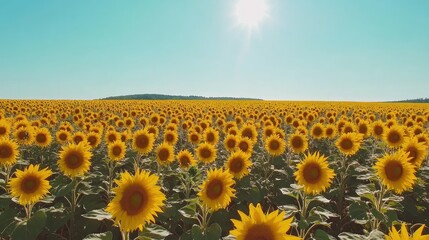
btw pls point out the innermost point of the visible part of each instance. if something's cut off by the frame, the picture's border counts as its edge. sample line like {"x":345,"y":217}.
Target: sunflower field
{"x":213,"y":170}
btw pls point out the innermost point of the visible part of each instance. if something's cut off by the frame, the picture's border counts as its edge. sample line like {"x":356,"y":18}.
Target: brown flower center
{"x":214,"y":189}
{"x":5,"y":151}
{"x":297,"y":142}
{"x":142,"y":141}
{"x":236,"y":165}
{"x":312,"y":173}
{"x":116,"y":150}
{"x":30,"y":184}
{"x":346,"y":144}
{"x":274,"y":144}
{"x":205,"y":153}
{"x":259,"y":232}
{"x":163,"y":154}
{"x":133,"y":200}
{"x":74,"y":160}
{"x":393,"y":170}
{"x":41,"y":138}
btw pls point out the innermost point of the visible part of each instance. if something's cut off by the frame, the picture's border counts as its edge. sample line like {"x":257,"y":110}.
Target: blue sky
{"x":362,"y":50}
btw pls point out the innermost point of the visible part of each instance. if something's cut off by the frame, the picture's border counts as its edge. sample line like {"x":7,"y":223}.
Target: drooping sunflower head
{"x":185,"y":159}
{"x":257,"y":225}
{"x":404,"y":235}
{"x":416,"y":151}
{"x":30,"y":185}
{"x":298,"y":142}
{"x":75,"y":159}
{"x":317,"y":131}
{"x":211,"y":136}
{"x":396,"y":172}
{"x":216,"y":191}
{"x":138,"y":200}
{"x":78,"y":137}
{"x":394,"y":136}
{"x":8,"y":152}
{"x":314,"y":173}
{"x":164,"y":154}
{"x":275,"y":145}
{"x":349,"y":143}
{"x":206,"y":152}
{"x":42,"y":137}
{"x":143,"y":141}
{"x":238,"y":164}
{"x":116,"y":150}
{"x":230,"y":142}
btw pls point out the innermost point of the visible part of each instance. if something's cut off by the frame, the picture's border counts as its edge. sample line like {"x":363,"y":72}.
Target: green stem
{"x":125,"y":235}
{"x":73,"y":206}
{"x":28,"y":210}
{"x":379,"y":206}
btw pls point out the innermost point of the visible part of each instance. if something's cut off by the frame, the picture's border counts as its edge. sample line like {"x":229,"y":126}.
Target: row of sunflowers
{"x":213,"y":170}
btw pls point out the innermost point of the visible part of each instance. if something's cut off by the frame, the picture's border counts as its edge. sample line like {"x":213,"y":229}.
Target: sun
{"x":250,"y":13}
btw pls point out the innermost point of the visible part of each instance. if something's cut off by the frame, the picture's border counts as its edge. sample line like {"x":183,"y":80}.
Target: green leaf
{"x":359,"y":212}
{"x":322,"y":235}
{"x":377,"y":214}
{"x":98,"y":214}
{"x":324,"y":213}
{"x":351,"y":236}
{"x":214,"y":232}
{"x":100,"y":236}
{"x":197,"y":233}
{"x":321,"y":199}
{"x":189,"y":211}
{"x":7,"y":221}
{"x":30,"y":229}
{"x":375,"y":235}
{"x":56,"y":217}
{"x":153,"y":231}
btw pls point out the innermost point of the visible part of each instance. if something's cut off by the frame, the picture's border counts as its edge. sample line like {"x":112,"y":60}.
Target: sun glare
{"x":250,"y":13}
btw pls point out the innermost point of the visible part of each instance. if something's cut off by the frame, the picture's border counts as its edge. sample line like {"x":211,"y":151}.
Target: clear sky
{"x":362,"y":50}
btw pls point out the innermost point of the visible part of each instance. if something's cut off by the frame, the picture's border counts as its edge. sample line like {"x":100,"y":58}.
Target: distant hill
{"x":170,"y":97}
{"x":417,"y":100}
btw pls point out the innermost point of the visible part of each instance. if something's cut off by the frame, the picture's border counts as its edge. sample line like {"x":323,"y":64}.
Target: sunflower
{"x":116,"y":150}
{"x":268,"y":131}
{"x":363,"y":128}
{"x":245,"y":145}
{"x":210,"y":135}
{"x":349,"y":143}
{"x":62,"y":136}
{"x":206,"y":153}
{"x":143,"y":141}
{"x":185,"y":159}
{"x":194,"y":137}
{"x":75,"y":159}
{"x":8,"y":152}
{"x":314,"y":173}
{"x":93,"y":139}
{"x":404,"y":235}
{"x":377,"y":129}
{"x":257,"y":225}
{"x":42,"y":137}
{"x":238,"y":164}
{"x":330,"y":131}
{"x":249,"y":131}
{"x":24,"y":135}
{"x":396,"y":172}
{"x":274,"y":145}
{"x":216,"y":191}
{"x":30,"y":185}
{"x":112,"y":136}
{"x":298,"y":142}
{"x":416,"y":151}
{"x":171,"y":137}
{"x":165,"y":154}
{"x":4,"y":128}
{"x":230,"y":142}
{"x":138,"y":200}
{"x":78,"y":137}
{"x":317,"y":131}
{"x":394,"y":136}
